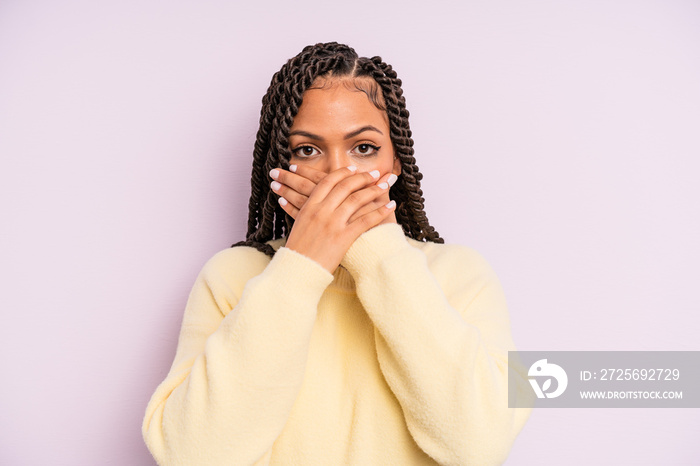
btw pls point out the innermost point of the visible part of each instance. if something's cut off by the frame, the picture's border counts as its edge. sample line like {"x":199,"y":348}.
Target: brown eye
{"x":366,"y":149}
{"x":304,"y":151}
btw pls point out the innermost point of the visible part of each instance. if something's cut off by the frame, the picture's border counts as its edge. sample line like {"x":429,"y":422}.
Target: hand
{"x":330,"y":219}
{"x":296,"y":185}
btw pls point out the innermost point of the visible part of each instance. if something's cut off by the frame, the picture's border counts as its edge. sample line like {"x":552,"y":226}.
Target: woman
{"x":342,"y":331}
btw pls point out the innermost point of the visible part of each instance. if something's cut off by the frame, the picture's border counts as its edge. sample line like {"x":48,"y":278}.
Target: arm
{"x":442,"y":336}
{"x":240,"y":359}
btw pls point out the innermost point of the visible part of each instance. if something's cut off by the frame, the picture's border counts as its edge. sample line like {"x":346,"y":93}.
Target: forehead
{"x":338,"y":105}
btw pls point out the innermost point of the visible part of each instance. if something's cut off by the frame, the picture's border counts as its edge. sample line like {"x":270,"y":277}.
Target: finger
{"x":287,"y":207}
{"x":363,"y":201}
{"x":389,"y":179}
{"x":369,"y":207}
{"x":298,"y":200}
{"x":349,"y":187}
{"x":371,"y":219}
{"x":296,"y":182}
{"x":293,"y":197}
{"x":311,"y":174}
{"x":329,"y":182}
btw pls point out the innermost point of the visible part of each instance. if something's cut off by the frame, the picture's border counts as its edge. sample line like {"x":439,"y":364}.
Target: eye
{"x":305,"y":151}
{"x":366,"y":149}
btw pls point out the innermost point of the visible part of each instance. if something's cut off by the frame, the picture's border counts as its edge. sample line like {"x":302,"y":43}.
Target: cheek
{"x":384,"y":163}
{"x":387,"y":162}
{"x":314,"y":163}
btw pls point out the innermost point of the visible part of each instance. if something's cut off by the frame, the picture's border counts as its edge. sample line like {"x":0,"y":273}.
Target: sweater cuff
{"x":374,"y":246}
{"x":296,"y":271}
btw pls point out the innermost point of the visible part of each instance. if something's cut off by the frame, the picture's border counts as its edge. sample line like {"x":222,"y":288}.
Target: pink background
{"x":559,"y":139}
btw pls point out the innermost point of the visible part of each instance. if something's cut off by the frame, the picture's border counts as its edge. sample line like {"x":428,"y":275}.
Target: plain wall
{"x":559,"y":139}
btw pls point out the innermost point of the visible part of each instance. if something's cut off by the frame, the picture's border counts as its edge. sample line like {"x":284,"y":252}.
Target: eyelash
{"x":374,"y":148}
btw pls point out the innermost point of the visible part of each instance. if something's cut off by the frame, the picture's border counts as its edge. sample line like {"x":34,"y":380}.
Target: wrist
{"x":311,"y":250}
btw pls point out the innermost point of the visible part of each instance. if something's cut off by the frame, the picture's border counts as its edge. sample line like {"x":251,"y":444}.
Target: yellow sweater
{"x":399,"y":357}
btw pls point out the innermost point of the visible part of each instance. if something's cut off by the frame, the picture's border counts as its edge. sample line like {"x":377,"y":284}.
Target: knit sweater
{"x":398,"y":357}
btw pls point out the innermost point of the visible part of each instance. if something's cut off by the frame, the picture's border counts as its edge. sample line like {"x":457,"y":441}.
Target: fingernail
{"x":374,"y":174}
{"x":274,"y":173}
{"x":283,"y":201}
{"x":293,"y":168}
{"x":275,"y":185}
{"x":352,"y":168}
{"x":383,"y":185}
{"x":392,"y":179}
{"x":391,"y":204}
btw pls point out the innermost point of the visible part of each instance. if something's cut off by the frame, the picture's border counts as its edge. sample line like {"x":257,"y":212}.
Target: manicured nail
{"x":293,"y":168}
{"x":275,"y":185}
{"x":283,"y":201}
{"x":374,"y":174}
{"x":274,"y":173}
{"x":383,"y":185}
{"x":392,"y":179}
{"x":352,"y":168}
{"x":391,"y":204}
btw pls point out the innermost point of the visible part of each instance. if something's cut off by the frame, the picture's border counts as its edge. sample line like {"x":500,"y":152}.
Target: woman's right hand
{"x":296,"y":184}
{"x":335,"y":215}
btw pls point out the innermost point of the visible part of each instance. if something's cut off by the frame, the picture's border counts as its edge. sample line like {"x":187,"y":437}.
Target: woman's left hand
{"x":296,"y":187}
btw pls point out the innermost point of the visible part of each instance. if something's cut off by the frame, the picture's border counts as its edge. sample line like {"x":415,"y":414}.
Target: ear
{"x":397,"y":166}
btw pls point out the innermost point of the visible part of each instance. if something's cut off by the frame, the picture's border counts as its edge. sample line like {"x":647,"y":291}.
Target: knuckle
{"x":326,"y":182}
{"x":355,"y":198}
{"x":350,"y":184}
{"x":307,"y":186}
{"x":366,"y":221}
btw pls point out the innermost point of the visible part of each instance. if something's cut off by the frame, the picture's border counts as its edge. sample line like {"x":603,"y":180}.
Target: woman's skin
{"x":341,"y":168}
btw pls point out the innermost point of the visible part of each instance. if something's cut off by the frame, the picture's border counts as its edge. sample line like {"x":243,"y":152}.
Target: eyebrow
{"x":347,"y":136}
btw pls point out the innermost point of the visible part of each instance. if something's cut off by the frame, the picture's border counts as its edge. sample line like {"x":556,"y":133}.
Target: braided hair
{"x":266,"y":218}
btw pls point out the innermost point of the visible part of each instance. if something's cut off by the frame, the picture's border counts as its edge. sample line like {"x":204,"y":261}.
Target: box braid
{"x":266,"y":218}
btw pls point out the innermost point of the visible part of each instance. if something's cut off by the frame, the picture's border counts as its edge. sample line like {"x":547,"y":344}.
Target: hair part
{"x":318,"y":65}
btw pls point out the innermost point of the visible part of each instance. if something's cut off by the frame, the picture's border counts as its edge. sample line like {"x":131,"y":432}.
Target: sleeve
{"x":442,"y":333}
{"x":239,"y":363}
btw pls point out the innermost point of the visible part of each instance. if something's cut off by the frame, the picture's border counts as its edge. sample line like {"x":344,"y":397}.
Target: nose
{"x":337,"y":158}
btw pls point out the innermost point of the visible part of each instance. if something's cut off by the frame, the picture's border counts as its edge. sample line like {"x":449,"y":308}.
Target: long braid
{"x":266,"y":218}
{"x":410,"y":211}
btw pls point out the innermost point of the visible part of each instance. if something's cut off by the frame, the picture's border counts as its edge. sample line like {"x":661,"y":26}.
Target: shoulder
{"x":227,"y":271}
{"x":239,"y":257}
{"x":451,"y":255}
{"x":470,"y":285}
{"x":455,"y":265}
